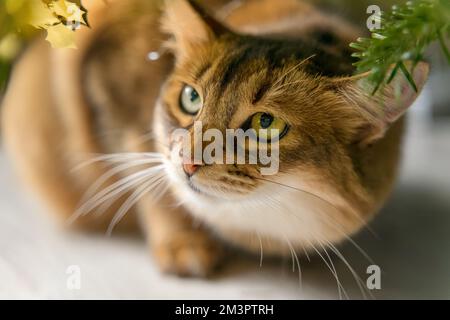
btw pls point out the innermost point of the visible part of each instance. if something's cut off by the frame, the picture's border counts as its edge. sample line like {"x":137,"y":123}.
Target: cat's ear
{"x":386,"y":106}
{"x":190,"y":26}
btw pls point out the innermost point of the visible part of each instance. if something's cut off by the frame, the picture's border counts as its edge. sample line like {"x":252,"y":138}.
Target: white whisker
{"x":261,"y":251}
{"x":298,"y":65}
{"x":111,"y":173}
{"x":306,"y":253}
{"x":118,"y":157}
{"x":115,"y":190}
{"x":297,"y":261}
{"x":358,"y":279}
{"x":331,"y":267}
{"x":131,"y":201}
{"x":333,"y":271}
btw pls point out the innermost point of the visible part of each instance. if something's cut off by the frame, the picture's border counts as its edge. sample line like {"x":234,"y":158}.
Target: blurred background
{"x":409,"y":240}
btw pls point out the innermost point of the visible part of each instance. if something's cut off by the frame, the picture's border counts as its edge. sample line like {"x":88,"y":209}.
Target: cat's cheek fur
{"x":282,"y":217}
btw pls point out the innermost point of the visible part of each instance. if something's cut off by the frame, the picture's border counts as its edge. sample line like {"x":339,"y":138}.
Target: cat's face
{"x":227,"y":81}
{"x":246,"y":83}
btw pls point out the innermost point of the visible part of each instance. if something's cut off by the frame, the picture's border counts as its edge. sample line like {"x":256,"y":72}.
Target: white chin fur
{"x":272,"y":211}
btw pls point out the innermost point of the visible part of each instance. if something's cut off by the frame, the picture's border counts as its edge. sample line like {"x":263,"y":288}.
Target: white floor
{"x":411,"y":245}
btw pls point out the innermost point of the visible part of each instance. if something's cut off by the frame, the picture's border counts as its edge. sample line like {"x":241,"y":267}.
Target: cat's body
{"x":337,"y":168}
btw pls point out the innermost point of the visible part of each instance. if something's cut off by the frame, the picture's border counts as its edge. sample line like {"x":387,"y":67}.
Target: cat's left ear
{"x":190,"y":25}
{"x":386,"y":106}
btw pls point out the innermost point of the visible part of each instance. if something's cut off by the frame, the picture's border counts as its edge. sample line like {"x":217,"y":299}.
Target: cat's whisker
{"x":114,"y":171}
{"x":300,"y":190}
{"x":358,"y":279}
{"x":145,"y":138}
{"x":334,"y":269}
{"x":151,"y":136}
{"x":161,"y":188}
{"x":103,"y":202}
{"x":335,"y":223}
{"x":115,"y":190}
{"x":294,"y":255}
{"x":362,"y":221}
{"x":349,"y":239}
{"x":261,"y":251}
{"x":292,"y":259}
{"x":298,"y":65}
{"x":115,"y":196}
{"x":118,"y":157}
{"x":289,"y":84}
{"x":119,"y":192}
{"x":103,"y":207}
{"x":341,"y":289}
{"x":133,"y":199}
{"x":331,"y":267}
{"x":361,"y":250}
{"x":306,"y":253}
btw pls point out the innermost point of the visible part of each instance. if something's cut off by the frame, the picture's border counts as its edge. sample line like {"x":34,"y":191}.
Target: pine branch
{"x":406,"y":32}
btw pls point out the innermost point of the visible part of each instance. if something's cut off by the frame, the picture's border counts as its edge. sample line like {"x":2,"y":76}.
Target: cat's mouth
{"x":196,"y":189}
{"x":224,"y":188}
{"x":215,"y":194}
{"x":216,"y":182}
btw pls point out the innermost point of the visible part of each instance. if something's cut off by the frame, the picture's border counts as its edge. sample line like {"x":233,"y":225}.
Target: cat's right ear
{"x":190,"y":26}
{"x":384,"y":108}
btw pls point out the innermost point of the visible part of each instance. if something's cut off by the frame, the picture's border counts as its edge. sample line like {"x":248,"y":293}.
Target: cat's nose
{"x":190,"y":169}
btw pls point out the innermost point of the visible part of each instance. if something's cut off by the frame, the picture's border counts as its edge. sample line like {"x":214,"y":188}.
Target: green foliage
{"x":4,"y":74}
{"x":406,"y":32}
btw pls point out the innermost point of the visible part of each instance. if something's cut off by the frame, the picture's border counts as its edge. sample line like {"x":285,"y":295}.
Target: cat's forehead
{"x":235,"y":58}
{"x":237,"y":75}
{"x":252,"y":69}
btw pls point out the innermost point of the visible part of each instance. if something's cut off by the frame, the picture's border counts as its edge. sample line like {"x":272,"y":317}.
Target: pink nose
{"x":190,"y":169}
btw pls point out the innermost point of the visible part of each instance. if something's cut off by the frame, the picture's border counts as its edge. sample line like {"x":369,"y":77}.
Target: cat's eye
{"x":190,"y":100}
{"x":268,"y":127}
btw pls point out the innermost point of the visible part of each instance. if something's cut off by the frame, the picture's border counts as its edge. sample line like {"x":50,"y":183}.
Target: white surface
{"x":411,"y":245}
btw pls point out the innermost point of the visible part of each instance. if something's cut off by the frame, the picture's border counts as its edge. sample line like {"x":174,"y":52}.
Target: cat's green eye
{"x":190,"y":100}
{"x":268,"y":127}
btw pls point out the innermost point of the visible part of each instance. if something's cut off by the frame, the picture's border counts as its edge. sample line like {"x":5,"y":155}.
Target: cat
{"x":145,"y":69}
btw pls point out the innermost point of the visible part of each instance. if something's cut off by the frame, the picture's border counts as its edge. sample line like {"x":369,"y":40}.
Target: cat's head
{"x":326,"y":119}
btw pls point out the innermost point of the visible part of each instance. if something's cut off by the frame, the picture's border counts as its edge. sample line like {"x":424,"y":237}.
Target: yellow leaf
{"x":61,"y":37}
{"x":70,"y":11}
{"x":40,"y":14}
{"x":14,"y":6}
{"x":60,"y":8}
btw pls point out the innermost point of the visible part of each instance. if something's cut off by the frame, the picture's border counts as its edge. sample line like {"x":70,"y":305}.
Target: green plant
{"x":406,"y":32}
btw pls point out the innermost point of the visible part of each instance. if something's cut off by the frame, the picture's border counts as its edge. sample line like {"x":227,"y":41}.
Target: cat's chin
{"x":209,"y":193}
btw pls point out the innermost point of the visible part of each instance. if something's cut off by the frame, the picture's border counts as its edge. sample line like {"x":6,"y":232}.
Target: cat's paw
{"x":188,"y":254}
